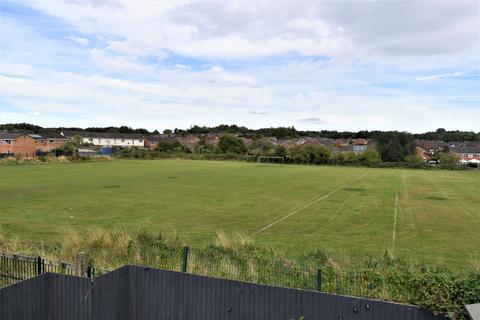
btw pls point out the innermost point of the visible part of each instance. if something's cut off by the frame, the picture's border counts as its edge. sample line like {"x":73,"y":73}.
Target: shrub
{"x":448,"y":159}
{"x":370,"y":157}
{"x":230,"y":143}
{"x":308,"y":154}
{"x":173,"y":146}
{"x":414,"y":159}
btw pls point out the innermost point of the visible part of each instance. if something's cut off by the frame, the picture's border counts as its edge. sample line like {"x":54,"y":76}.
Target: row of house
{"x":30,"y":145}
{"x":468,"y":151}
{"x":108,"y":139}
{"x":335,"y":145}
{"x":339,"y":145}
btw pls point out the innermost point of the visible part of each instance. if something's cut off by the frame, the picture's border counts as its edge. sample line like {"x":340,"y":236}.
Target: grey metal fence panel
{"x":47,"y":297}
{"x":143,"y":293}
{"x":24,"y":300}
{"x":111,"y":296}
{"x":135,"y":293}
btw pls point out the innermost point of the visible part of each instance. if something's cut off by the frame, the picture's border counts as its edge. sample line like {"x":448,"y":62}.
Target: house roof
{"x":429,"y":144}
{"x":106,"y":135}
{"x":339,"y":142}
{"x":359,"y":141}
{"x":54,"y":136}
{"x":5,"y":135}
{"x":36,"y":136}
{"x":466,"y":149}
{"x":160,"y":138}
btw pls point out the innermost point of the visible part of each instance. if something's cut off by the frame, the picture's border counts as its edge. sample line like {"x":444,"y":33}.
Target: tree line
{"x":278,"y":132}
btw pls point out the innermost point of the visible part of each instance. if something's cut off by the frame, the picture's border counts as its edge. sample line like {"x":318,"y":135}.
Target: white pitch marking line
{"x":394,"y":230}
{"x":305,"y":206}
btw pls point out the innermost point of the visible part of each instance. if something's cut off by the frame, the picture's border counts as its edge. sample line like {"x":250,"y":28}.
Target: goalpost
{"x":266,"y":159}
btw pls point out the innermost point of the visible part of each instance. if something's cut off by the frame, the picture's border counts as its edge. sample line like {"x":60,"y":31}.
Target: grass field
{"x":433,"y":215}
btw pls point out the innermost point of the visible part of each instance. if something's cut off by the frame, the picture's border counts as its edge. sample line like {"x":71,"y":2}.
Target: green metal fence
{"x":251,"y":268}
{"x":18,"y":267}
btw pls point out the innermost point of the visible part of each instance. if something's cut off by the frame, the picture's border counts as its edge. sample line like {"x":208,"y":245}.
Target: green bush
{"x":308,"y":154}
{"x":230,"y":143}
{"x":173,"y":146}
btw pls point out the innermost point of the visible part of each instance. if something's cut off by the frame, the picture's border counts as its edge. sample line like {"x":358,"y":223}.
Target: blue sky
{"x":337,"y":65}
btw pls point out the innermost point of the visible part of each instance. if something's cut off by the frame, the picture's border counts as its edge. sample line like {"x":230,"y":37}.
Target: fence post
{"x":319,"y":279}
{"x":90,"y":272}
{"x":185,"y":259}
{"x":79,"y":265}
{"x":39,"y":265}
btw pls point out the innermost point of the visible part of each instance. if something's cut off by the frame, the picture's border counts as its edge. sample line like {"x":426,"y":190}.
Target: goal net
{"x":265,"y":159}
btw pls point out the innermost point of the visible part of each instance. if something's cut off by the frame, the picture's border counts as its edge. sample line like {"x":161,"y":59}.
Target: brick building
{"x":27,"y":144}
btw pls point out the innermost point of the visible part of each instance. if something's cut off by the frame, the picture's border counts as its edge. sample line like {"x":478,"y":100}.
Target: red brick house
{"x":17,"y":143}
{"x":27,"y":144}
{"x":425,"y":149}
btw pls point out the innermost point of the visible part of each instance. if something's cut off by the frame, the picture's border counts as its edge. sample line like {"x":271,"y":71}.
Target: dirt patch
{"x":438,"y":198}
{"x":354,"y":189}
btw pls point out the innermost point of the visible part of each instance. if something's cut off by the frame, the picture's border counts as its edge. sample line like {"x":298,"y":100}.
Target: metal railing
{"x":17,"y":267}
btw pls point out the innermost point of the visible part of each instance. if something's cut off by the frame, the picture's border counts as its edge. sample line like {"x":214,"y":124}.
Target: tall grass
{"x":388,"y":277}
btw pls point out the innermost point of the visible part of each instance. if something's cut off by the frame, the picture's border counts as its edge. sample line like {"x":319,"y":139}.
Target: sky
{"x":316,"y":65}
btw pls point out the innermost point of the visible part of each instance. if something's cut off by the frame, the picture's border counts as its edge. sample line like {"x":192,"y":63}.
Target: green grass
{"x":438,"y":216}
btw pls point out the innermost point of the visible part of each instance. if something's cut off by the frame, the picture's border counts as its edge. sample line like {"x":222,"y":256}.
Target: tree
{"x":308,"y":154}
{"x":394,"y":146}
{"x":230,"y":143}
{"x":394,"y":152}
{"x":171,"y":146}
{"x":72,"y":144}
{"x":280,"y":151}
{"x":167,"y":131}
{"x":262,"y":147}
{"x":297,"y":154}
{"x":204,"y":147}
{"x":413,"y":158}
{"x":321,"y":154}
{"x":448,"y":159}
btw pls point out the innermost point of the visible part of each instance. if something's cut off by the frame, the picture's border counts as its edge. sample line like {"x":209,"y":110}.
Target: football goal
{"x":266,"y":159}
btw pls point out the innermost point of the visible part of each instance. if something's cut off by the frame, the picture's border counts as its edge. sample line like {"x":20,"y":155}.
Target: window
{"x":123,"y":140}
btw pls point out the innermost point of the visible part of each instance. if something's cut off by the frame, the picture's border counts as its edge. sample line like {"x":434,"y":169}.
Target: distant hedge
{"x":307,"y":155}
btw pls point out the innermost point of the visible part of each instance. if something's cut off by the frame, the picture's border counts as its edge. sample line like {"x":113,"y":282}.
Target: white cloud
{"x":79,"y":40}
{"x":440,"y":76}
{"x":390,"y":30}
{"x":19,"y":70}
{"x":78,"y":100}
{"x":119,"y":63}
{"x":312,"y":120}
{"x":318,"y":65}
